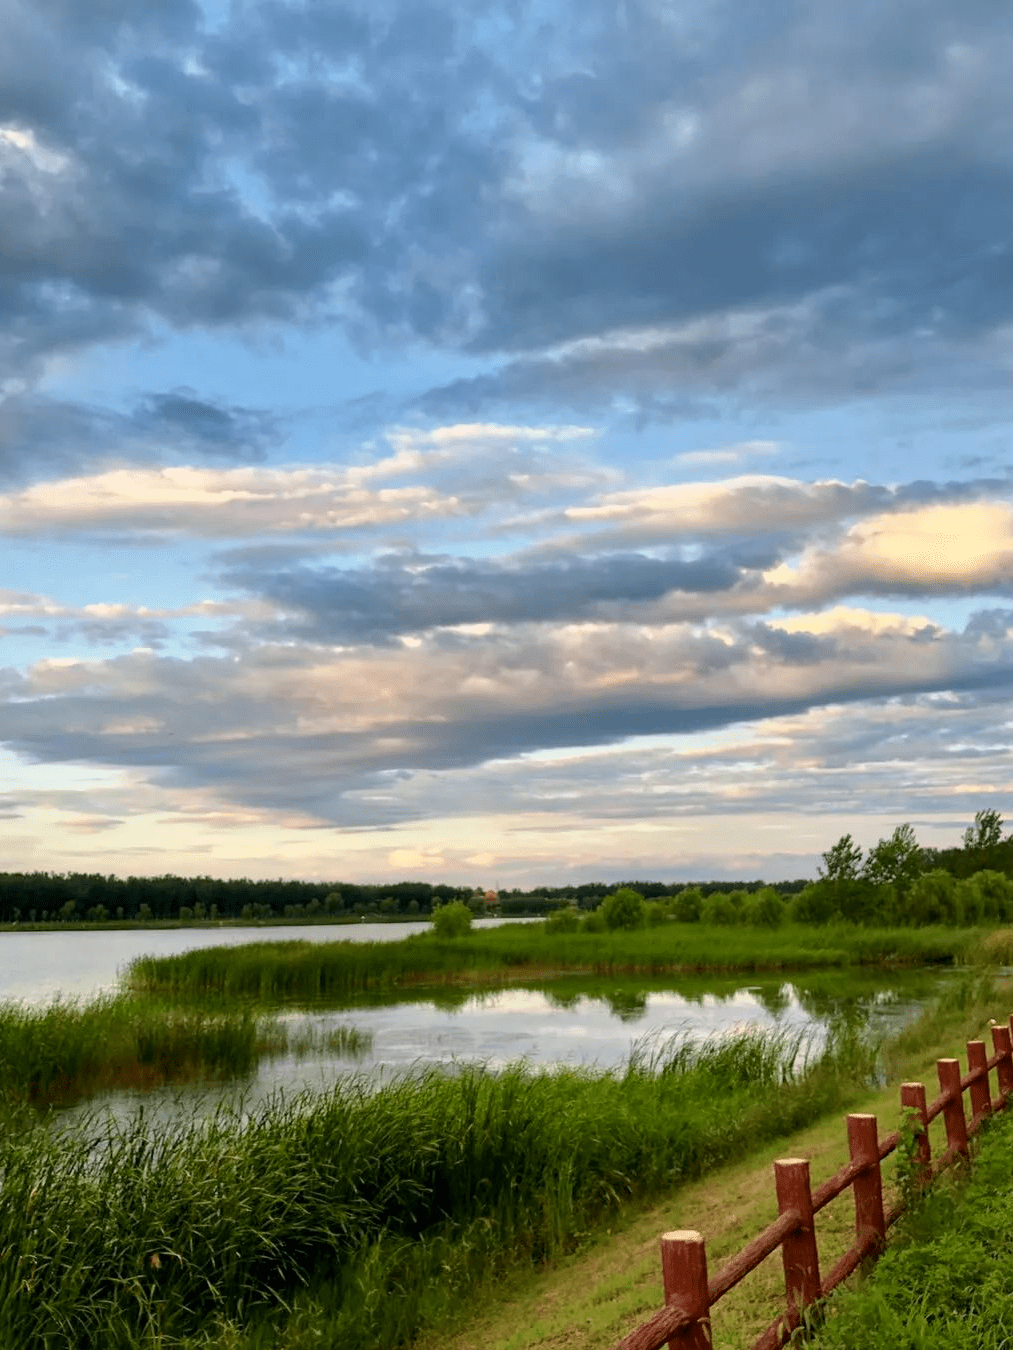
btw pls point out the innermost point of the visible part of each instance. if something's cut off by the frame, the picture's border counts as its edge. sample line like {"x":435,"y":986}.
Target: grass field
{"x":334,"y":970}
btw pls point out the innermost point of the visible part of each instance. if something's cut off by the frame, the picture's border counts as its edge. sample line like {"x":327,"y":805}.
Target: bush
{"x":986,"y":896}
{"x":719,"y":909}
{"x":594,"y":922}
{"x":563,"y":921}
{"x":688,"y":904}
{"x":933,"y":899}
{"x":765,"y":908}
{"x":453,"y":920}
{"x":623,"y":909}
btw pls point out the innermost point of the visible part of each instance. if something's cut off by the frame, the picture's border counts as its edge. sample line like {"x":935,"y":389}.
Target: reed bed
{"x":356,"y":1219}
{"x":308,"y":972}
{"x":65,"y":1051}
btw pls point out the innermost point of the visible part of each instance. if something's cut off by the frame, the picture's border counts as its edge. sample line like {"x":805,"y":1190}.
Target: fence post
{"x":684,"y":1272}
{"x":953,"y":1111}
{"x":981,"y":1097}
{"x":1002,"y":1043}
{"x":798,"y":1250}
{"x":912,"y":1097}
{"x":863,"y":1143}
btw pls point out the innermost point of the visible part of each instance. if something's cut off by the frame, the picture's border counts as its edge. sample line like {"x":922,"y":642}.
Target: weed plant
{"x":947,"y":1281}
{"x":308,"y":972}
{"x":354,"y":1220}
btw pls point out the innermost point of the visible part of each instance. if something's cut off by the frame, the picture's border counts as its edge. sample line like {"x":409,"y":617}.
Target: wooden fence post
{"x":684,"y":1272}
{"x":863,"y":1143}
{"x":798,"y":1250}
{"x":1002,"y":1043}
{"x":953,"y":1111}
{"x":978,"y":1091}
{"x":912,"y":1097}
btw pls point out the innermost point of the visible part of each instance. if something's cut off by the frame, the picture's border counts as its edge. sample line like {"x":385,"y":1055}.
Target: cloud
{"x":39,"y":434}
{"x":514,"y":182}
{"x":332,"y":724}
{"x":960,"y":549}
{"x":394,"y":597}
{"x":729,"y":454}
{"x":429,"y":475}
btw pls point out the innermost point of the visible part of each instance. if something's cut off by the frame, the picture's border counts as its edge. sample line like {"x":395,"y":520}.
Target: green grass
{"x":947,"y":1281}
{"x":62,"y":1052}
{"x":356,"y":1219}
{"x":335,"y":970}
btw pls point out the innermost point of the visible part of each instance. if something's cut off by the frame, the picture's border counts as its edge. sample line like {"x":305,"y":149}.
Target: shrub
{"x":453,"y":920}
{"x":623,"y":909}
{"x":933,"y":898}
{"x":766,"y":908}
{"x":719,"y":909}
{"x":688,"y":904}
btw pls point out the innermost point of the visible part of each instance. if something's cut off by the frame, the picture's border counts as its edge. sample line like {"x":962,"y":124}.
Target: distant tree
{"x":453,"y":920}
{"x":843,"y":862}
{"x":896,"y":861}
{"x":688,"y":904}
{"x":986,"y":832}
{"x":623,"y":909}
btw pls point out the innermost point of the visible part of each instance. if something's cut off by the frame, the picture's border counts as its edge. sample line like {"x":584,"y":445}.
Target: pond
{"x":575,"y":1021}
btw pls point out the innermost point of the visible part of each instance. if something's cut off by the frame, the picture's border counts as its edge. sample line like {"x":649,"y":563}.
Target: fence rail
{"x":684,"y":1322}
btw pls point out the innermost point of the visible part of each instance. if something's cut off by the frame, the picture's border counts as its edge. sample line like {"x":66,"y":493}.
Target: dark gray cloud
{"x":396,"y":597}
{"x":41,"y":436}
{"x":510,"y":181}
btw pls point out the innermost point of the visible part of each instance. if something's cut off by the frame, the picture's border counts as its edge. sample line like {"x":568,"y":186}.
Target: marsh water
{"x":574,"y":1020}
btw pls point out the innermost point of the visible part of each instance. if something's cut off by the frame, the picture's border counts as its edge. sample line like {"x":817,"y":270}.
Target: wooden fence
{"x":684,"y":1322}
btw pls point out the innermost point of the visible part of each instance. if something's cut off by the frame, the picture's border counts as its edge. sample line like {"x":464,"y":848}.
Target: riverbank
{"x":592,"y":1298}
{"x":373,"y":1212}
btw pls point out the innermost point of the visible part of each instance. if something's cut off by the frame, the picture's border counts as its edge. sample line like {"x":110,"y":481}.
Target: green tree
{"x":688,"y":904}
{"x":623,"y":909}
{"x":843,"y":862}
{"x":896,"y":861}
{"x":986,"y":832}
{"x":453,"y":920}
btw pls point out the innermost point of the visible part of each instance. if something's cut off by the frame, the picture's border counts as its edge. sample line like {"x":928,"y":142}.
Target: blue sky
{"x":557,"y":442}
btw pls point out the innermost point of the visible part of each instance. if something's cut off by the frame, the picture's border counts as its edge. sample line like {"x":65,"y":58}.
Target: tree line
{"x":896,"y":881}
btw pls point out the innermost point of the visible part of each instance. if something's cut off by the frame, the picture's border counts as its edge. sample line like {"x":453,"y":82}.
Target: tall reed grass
{"x":276,"y":971}
{"x":64,"y":1051}
{"x":354,"y":1220}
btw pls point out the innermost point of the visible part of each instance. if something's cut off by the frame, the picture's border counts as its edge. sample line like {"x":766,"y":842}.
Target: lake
{"x":37,"y":966}
{"x":574,"y":1020}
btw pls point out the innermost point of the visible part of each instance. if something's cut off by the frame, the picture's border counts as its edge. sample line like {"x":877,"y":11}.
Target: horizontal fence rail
{"x":684,"y":1322}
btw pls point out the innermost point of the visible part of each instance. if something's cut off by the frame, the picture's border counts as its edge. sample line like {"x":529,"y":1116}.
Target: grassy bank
{"x":947,"y":1279}
{"x":60,"y":1053}
{"x":591,"y":1299}
{"x":311,"y":971}
{"x":356,"y":1219}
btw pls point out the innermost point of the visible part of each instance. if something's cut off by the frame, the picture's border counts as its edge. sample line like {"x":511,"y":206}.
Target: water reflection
{"x":575,"y":1021}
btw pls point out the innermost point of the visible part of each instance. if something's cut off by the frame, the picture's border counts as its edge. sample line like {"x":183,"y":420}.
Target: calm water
{"x":35,"y":967}
{"x":577,"y":1020}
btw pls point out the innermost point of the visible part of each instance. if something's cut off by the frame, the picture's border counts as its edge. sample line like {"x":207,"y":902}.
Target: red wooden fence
{"x":684,"y":1322}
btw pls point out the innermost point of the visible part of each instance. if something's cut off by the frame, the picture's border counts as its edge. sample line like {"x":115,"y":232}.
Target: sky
{"x":512,"y":444}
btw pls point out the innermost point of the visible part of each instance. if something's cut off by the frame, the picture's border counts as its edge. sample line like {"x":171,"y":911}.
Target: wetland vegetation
{"x":367,"y":1211}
